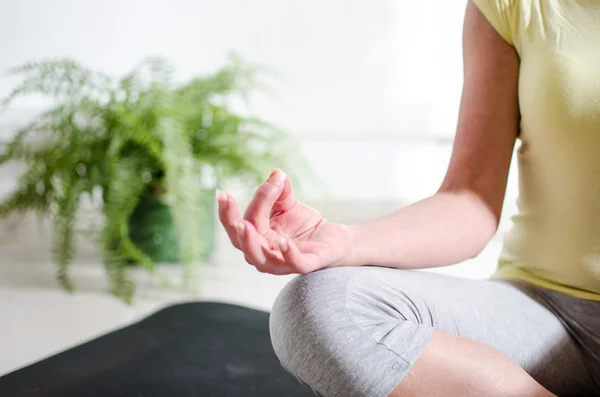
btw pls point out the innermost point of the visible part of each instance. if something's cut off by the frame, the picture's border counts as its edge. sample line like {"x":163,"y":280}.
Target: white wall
{"x":365,"y":84}
{"x":349,"y":66}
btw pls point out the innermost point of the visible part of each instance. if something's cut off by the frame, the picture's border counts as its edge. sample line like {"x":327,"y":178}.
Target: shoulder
{"x":504,"y":16}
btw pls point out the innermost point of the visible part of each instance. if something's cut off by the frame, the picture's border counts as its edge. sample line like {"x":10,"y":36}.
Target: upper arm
{"x":489,"y":113}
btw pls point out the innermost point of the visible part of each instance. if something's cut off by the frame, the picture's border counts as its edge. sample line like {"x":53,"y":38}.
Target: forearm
{"x":444,"y":229}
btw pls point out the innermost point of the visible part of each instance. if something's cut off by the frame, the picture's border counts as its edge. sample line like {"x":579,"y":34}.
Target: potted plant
{"x":140,"y":144}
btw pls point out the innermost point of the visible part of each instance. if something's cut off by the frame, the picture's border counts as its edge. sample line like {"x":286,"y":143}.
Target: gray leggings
{"x":355,"y":332}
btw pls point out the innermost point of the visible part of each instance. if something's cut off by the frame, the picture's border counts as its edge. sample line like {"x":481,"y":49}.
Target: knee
{"x":307,"y":319}
{"x":302,"y":311}
{"x":333,"y":327}
{"x":284,"y":319}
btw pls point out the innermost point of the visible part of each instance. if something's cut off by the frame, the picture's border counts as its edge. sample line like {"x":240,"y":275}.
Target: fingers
{"x":286,"y":199}
{"x":248,"y":233}
{"x":275,"y":264}
{"x":259,"y":209}
{"x":229,"y":214}
{"x":257,"y":252}
{"x":251,"y":243}
{"x":300,"y":262}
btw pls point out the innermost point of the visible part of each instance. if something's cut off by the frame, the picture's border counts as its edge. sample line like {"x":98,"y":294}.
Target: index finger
{"x":259,"y":210}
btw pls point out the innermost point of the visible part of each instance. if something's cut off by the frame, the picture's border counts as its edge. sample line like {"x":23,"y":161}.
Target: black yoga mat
{"x":188,"y":350}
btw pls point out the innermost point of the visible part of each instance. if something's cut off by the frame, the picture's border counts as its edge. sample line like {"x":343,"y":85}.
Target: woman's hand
{"x":280,"y":235}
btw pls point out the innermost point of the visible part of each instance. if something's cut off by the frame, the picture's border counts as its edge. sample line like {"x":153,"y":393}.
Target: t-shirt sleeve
{"x":500,"y":15}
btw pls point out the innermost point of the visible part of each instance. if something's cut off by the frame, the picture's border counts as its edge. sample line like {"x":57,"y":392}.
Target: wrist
{"x":354,"y":253}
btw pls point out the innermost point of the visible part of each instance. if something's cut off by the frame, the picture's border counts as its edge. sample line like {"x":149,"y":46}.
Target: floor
{"x":39,"y":319}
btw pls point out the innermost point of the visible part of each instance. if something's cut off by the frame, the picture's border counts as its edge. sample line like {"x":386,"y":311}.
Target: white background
{"x":364,"y":84}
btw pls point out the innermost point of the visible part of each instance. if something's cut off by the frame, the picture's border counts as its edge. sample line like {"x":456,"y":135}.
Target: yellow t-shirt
{"x":555,"y":238}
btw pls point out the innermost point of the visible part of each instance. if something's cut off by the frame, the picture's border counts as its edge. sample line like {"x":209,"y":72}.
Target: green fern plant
{"x":127,"y":136}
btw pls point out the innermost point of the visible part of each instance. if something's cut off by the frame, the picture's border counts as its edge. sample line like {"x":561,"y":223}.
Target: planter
{"x":152,"y":228}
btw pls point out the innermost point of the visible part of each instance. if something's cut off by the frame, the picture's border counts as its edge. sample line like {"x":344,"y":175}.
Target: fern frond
{"x":63,"y":248}
{"x":184,"y":197}
{"x":151,"y":73}
{"x":63,"y":79}
{"x":122,"y":193}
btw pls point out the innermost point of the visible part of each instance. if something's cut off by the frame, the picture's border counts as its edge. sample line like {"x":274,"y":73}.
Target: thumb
{"x":286,"y":200}
{"x":260,"y":207}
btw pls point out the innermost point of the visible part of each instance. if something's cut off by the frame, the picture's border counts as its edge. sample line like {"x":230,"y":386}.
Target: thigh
{"x":508,"y":316}
{"x":581,"y":318}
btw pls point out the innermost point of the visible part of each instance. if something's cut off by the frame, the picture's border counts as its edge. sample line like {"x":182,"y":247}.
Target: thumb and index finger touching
{"x":272,"y":197}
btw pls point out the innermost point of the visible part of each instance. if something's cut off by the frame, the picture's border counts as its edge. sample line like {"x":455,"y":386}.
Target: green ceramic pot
{"x":152,"y":228}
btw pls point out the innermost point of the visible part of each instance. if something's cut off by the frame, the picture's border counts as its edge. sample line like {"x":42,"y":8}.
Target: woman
{"x":532,"y":72}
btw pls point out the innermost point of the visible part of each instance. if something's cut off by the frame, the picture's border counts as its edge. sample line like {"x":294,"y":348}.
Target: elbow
{"x":480,"y":245}
{"x":484,"y":226}
{"x":477,"y":219}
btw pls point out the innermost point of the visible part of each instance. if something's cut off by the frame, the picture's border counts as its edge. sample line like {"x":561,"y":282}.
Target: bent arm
{"x":458,"y":221}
